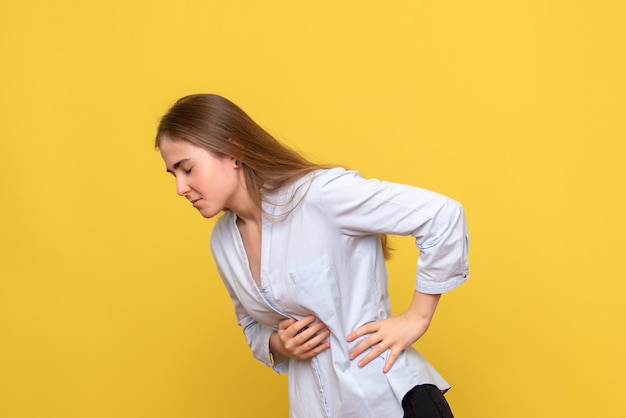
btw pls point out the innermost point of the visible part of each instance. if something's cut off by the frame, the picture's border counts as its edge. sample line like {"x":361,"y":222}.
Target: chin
{"x":209,"y":214}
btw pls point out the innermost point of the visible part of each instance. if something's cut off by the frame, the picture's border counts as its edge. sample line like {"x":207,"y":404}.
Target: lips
{"x":195,"y":202}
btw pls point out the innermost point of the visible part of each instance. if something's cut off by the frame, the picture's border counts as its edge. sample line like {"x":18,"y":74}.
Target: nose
{"x":182,"y":188}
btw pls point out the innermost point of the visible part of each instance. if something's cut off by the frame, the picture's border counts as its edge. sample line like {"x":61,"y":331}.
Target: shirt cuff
{"x":436,"y":288}
{"x":278,"y":362}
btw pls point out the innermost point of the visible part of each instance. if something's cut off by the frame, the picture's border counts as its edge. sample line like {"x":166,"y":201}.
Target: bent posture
{"x":301,"y":250}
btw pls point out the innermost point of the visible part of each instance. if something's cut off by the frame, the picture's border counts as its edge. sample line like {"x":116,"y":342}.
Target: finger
{"x":294,"y":327}
{"x":391,"y":359}
{"x":301,"y":325}
{"x":316,"y":333}
{"x":316,"y":345}
{"x":305,"y":322}
{"x":374,"y":353}
{"x":285,"y":323}
{"x":319,"y":338}
{"x":315,"y":351}
{"x":365,"y":344}
{"x":315,"y":341}
{"x":368,"y":328}
{"x":309,"y":332}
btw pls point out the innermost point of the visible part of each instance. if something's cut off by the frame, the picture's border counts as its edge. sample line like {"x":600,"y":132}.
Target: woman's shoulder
{"x":319,"y":180}
{"x":304,"y":190}
{"x":324,"y":176}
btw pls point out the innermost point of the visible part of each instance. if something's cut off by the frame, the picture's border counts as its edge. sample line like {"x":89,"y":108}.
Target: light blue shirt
{"x":321,"y":255}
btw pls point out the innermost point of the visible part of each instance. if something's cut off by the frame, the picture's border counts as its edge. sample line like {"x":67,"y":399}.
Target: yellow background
{"x":110,"y":305}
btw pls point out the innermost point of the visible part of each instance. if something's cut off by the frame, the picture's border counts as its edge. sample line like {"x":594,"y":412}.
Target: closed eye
{"x":177,"y":166}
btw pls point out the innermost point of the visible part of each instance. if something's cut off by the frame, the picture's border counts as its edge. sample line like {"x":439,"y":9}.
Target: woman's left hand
{"x":394,"y":333}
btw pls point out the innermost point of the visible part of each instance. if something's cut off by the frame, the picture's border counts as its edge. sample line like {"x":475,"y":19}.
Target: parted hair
{"x":220,"y":126}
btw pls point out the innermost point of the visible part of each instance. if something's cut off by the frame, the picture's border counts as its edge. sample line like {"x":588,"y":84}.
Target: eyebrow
{"x":175,"y":166}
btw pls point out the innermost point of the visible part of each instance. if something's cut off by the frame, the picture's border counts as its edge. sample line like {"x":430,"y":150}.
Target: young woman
{"x":301,"y":250}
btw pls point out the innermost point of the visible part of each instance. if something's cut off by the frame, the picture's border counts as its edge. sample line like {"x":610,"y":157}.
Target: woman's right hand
{"x":301,"y":339}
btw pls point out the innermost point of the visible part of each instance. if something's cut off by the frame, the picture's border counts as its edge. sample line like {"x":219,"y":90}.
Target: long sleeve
{"x":361,"y":206}
{"x":257,"y":335}
{"x":258,"y":338}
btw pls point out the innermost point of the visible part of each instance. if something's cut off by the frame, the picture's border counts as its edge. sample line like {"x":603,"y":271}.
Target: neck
{"x":248,"y":211}
{"x":248,"y":217}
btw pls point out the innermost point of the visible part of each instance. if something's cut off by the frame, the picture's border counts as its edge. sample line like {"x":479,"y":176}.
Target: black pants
{"x":425,"y":401}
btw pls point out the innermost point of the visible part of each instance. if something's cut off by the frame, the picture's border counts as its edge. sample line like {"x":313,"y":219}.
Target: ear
{"x":236,"y":143}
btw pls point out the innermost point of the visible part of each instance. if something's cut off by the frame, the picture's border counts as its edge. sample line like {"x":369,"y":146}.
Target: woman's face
{"x":210,"y":183}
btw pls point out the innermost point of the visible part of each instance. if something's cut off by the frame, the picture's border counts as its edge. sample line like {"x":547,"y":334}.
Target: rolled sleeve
{"x":258,"y":338}
{"x":442,"y":263}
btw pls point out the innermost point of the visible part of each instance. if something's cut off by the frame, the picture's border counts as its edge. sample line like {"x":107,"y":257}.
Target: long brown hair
{"x":218,"y":125}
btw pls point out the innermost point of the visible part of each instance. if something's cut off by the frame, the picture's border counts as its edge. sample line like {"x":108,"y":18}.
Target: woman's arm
{"x":359,"y":206}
